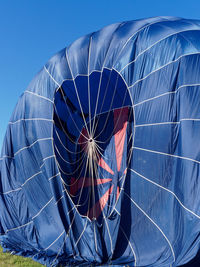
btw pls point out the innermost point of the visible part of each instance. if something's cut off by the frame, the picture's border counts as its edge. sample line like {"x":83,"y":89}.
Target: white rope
{"x":27,"y":147}
{"x":105,"y":220}
{"x":169,"y":191}
{"x":70,"y":113}
{"x":102,"y":69}
{"x":72,"y":152}
{"x":113,"y":96}
{"x":163,"y":66}
{"x":71,"y":162}
{"x":55,"y":240}
{"x":89,"y":104}
{"x":37,"y":214}
{"x":35,"y":94}
{"x":167,"y":93}
{"x":27,"y":180}
{"x":68,"y":137}
{"x":59,"y":86}
{"x":171,"y":248}
{"x":130,"y":245}
{"x":30,"y":119}
{"x":50,"y":178}
{"x":166,"y":154}
{"x":141,"y":53}
{"x":83,"y":116}
{"x":167,"y":122}
{"x":135,"y":33}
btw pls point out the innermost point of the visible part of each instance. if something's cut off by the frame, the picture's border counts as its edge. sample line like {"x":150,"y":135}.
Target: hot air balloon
{"x":100,"y":163}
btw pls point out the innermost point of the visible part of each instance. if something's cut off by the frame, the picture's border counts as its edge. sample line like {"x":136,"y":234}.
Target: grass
{"x":8,"y":260}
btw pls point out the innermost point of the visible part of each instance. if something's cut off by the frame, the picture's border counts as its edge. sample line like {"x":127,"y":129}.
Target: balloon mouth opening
{"x":93,"y":125}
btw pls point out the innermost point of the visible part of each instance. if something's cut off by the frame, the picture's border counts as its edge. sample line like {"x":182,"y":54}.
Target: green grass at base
{"x":8,"y":260}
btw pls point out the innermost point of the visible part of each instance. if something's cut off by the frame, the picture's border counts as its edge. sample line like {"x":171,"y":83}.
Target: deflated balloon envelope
{"x":100,"y":162}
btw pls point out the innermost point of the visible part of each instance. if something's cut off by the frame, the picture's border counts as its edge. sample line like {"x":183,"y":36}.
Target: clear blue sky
{"x":31,"y":31}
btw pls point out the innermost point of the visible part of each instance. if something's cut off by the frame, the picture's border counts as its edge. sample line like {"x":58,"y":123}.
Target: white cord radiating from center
{"x":91,"y":150}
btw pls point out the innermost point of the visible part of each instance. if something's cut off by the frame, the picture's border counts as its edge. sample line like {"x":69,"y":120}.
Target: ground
{"x":8,"y":260}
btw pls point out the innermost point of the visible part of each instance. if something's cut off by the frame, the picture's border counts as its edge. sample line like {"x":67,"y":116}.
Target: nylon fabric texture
{"x":100,"y":161}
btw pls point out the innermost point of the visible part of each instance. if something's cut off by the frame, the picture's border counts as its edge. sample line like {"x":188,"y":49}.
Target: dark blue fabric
{"x":100,"y":162}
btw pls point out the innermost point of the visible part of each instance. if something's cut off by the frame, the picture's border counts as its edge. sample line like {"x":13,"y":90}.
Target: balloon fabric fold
{"x":100,"y":163}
